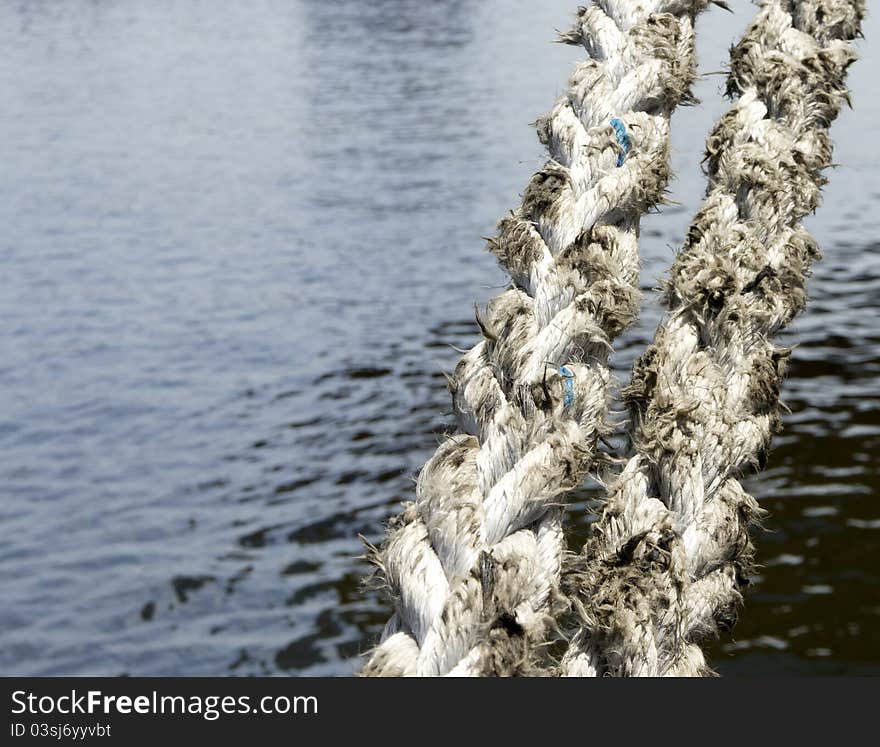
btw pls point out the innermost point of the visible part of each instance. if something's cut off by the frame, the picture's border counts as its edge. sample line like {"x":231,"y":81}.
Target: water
{"x":238,"y":241}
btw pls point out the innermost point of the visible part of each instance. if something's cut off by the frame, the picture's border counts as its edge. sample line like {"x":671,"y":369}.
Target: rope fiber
{"x":665,"y":562}
{"x":473,"y":563}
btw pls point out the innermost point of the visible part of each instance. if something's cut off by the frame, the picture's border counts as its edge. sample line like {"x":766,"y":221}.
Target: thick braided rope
{"x":474,"y":562}
{"x":665,"y":561}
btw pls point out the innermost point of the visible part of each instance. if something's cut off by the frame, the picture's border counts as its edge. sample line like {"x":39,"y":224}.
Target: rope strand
{"x":666,"y":560}
{"x":474,"y":562}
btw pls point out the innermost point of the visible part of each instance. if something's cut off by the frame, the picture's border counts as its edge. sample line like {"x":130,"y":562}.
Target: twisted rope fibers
{"x":664,"y":564}
{"x":473,"y":563}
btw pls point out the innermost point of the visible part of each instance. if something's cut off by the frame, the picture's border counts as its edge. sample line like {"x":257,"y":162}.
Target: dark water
{"x":236,"y":243}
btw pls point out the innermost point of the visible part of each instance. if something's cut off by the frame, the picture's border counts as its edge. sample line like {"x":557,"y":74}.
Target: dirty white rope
{"x":473,"y":563}
{"x":665,"y":561}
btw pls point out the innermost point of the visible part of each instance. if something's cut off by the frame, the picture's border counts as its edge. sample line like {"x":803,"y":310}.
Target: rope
{"x":665,"y":562}
{"x":474,"y":562}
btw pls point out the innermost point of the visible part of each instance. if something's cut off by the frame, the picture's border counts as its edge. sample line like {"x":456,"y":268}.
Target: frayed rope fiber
{"x":665,"y":562}
{"x":473,"y":563}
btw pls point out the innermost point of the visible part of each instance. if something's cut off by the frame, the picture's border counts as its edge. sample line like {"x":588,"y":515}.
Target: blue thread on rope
{"x":622,"y":139}
{"x":568,"y":383}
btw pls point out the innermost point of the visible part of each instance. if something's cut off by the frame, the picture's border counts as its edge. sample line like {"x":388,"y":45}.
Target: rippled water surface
{"x":238,"y":242}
